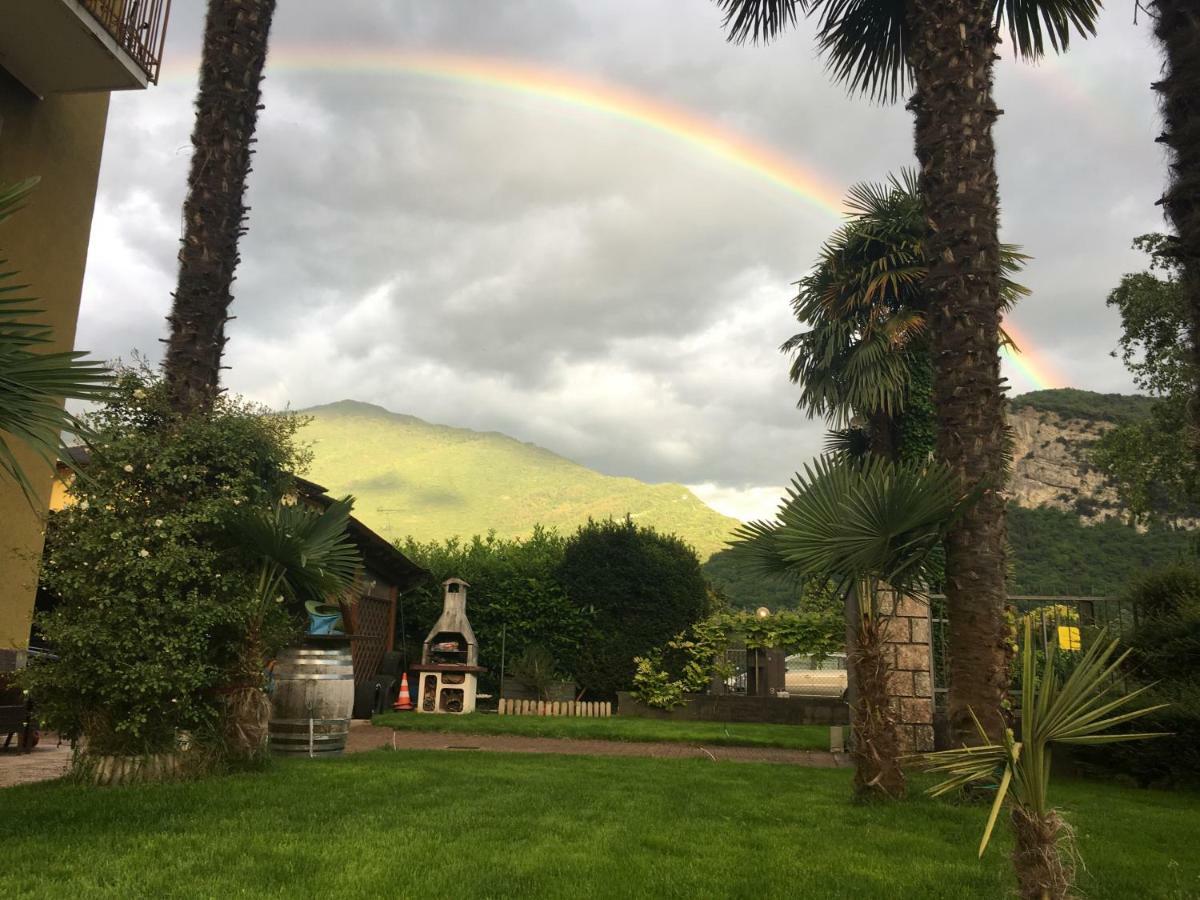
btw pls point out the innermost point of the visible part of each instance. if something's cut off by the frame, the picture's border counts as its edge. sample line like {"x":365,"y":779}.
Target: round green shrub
{"x":640,"y":589}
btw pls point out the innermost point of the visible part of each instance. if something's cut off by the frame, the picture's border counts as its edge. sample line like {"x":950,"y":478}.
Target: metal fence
{"x":1070,"y":623}
{"x":139,"y":26}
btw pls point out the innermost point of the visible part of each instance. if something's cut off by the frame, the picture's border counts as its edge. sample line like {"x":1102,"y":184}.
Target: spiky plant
{"x":1078,"y":710}
{"x":871,"y":527}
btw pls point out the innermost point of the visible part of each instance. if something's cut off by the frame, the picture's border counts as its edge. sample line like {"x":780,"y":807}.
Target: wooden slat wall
{"x":580,"y":709}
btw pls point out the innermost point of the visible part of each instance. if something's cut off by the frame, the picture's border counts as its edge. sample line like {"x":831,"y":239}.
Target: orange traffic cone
{"x":404,"y":701}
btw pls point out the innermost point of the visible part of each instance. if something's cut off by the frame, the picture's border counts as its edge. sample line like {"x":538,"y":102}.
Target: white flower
{"x":128,"y":467}
{"x":143,"y":553}
{"x":158,"y":523}
{"x":139,"y":394}
{"x":279,"y":599}
{"x":83,"y":504}
{"x":288,"y":500}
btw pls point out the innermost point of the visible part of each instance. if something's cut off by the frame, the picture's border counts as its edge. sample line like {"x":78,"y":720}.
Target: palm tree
{"x":871,"y":526}
{"x":1177,"y":28}
{"x":1079,"y":711}
{"x":862,"y":364}
{"x":235,"y":50}
{"x":34,"y":383}
{"x":946,"y":50}
{"x":302,"y":555}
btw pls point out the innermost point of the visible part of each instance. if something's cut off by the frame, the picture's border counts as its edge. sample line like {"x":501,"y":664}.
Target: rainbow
{"x":617,"y":102}
{"x":1036,"y":368}
{"x":565,"y":88}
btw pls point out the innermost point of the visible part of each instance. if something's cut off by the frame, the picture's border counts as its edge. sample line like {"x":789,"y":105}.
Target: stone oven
{"x":450,"y":659}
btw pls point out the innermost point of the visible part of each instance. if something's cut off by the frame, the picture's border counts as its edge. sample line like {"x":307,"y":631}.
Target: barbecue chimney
{"x":450,"y":659}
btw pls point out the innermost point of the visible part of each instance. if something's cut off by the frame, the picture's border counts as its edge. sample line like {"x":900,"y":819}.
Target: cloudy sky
{"x":501,"y":259}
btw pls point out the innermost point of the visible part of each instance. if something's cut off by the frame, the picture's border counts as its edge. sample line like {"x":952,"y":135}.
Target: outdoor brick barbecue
{"x":450,"y":659}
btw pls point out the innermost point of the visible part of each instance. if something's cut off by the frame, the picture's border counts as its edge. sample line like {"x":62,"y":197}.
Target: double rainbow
{"x":617,"y":102}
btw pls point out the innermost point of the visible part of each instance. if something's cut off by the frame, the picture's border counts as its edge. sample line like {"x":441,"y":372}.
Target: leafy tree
{"x":514,"y":591}
{"x":214,"y":212}
{"x":872,"y":525}
{"x":34,"y":383}
{"x":638,"y":586}
{"x":1073,"y":403}
{"x":152,"y":607}
{"x":946,"y":49}
{"x":1152,"y":460}
{"x":743,"y":588}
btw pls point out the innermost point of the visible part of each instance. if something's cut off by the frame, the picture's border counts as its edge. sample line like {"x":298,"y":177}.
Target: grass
{"x":620,"y":728}
{"x":507,"y":825}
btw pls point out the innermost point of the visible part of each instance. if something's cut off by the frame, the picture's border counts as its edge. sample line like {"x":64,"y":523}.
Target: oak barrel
{"x":313,"y":698}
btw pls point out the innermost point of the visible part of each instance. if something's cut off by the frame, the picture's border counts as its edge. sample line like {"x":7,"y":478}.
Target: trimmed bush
{"x":640,"y":588}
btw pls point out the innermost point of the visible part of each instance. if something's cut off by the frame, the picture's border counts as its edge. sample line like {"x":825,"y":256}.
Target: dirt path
{"x":364,"y":736}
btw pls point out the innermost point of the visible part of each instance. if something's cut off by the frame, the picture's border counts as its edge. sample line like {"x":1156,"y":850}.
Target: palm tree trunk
{"x":1177,"y":29}
{"x":875,"y":733}
{"x":235,"y":50}
{"x":1043,"y":871}
{"x":953,"y":57}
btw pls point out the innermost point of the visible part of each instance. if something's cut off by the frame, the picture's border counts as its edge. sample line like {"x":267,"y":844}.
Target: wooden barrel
{"x":313,"y":698}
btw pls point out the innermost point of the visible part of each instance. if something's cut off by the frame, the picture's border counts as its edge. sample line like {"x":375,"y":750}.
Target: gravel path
{"x":44,"y":762}
{"x":364,"y":736}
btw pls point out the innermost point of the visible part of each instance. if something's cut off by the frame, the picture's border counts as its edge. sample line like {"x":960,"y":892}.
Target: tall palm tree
{"x":946,"y":50}
{"x":231,"y":65}
{"x":1177,"y":28}
{"x":33,"y":382}
{"x":863,"y":359}
{"x":871,"y":526}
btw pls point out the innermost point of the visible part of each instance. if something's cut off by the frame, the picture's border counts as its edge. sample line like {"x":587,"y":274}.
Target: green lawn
{"x":463,"y":825}
{"x":620,"y":728}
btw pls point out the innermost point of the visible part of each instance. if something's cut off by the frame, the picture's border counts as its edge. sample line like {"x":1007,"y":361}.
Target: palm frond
{"x":865,"y":44}
{"x":758,"y":20}
{"x":1031,"y":23}
{"x":34,"y":383}
{"x":844,"y":520}
{"x":307,"y":554}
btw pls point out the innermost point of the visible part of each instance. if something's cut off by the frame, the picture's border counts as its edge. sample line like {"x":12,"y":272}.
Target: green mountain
{"x":411,"y":477}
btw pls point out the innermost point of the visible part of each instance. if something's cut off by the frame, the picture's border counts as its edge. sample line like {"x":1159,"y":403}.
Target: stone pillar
{"x":911,"y":679}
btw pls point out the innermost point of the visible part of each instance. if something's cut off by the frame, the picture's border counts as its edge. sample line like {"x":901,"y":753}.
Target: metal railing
{"x":1070,"y":623}
{"x":139,"y":26}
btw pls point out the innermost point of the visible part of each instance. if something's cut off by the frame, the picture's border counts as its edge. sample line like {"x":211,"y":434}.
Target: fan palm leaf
{"x":305,"y":554}
{"x":867,"y":43}
{"x":854,"y":520}
{"x":33,"y":382}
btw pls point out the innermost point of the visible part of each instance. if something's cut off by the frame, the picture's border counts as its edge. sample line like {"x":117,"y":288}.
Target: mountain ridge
{"x":434,"y":481}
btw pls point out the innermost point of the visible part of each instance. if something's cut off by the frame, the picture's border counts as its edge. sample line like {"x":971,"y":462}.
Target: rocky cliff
{"x":1050,"y":464}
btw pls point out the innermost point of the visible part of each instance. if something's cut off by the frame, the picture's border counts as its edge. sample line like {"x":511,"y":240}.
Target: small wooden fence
{"x":577,"y":708}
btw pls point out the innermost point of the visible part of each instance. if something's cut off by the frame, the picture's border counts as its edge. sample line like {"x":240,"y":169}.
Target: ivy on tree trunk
{"x":214,"y":213}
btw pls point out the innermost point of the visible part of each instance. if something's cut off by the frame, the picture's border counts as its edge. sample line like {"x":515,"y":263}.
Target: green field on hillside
{"x":433,"y":482}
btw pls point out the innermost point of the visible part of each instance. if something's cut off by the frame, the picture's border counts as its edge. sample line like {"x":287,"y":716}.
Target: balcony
{"x":66,"y":46}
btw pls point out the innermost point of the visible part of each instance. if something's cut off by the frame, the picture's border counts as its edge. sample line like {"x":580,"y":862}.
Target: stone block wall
{"x":911,"y":679}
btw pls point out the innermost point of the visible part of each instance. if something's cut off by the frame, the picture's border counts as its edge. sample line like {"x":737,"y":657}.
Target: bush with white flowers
{"x":148,"y":602}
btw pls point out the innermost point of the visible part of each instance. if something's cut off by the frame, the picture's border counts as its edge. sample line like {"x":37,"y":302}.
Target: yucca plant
{"x":1078,"y":710}
{"x":871,"y":527}
{"x":303,"y":555}
{"x":34,"y":382}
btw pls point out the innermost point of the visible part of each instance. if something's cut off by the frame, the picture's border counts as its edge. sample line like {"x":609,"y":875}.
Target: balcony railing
{"x":139,"y":26}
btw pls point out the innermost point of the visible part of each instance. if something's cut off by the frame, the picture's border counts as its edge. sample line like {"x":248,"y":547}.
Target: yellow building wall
{"x":59,"y":138}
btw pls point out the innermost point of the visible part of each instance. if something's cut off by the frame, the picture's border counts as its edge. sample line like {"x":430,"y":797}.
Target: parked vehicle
{"x":809,"y":676}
